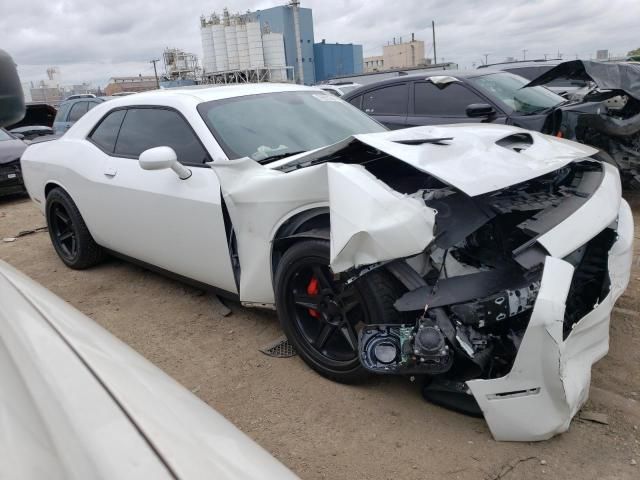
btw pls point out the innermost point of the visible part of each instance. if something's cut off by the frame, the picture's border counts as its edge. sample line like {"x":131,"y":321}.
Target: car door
{"x":154,"y":216}
{"x":443,"y":104}
{"x":387,"y":104}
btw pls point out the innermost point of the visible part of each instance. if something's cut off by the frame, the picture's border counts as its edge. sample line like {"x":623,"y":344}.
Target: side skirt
{"x":174,"y":276}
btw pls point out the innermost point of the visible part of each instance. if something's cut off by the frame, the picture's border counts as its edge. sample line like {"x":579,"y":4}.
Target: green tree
{"x":634,"y":54}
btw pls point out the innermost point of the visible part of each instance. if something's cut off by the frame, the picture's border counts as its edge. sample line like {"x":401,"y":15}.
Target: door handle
{"x":110,"y":172}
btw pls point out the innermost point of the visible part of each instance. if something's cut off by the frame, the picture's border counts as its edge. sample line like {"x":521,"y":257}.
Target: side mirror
{"x":160,"y":158}
{"x":477,"y":110}
{"x":19,"y":136}
{"x":12,"y":107}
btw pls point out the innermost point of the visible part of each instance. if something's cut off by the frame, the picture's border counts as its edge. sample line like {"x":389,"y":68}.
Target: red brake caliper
{"x":312,"y":289}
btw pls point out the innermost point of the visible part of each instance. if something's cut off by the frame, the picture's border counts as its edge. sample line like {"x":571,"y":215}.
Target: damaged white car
{"x":485,"y":259}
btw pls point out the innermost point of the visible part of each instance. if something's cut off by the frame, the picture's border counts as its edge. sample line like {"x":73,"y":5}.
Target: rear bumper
{"x":550,"y":378}
{"x":11,"y":179}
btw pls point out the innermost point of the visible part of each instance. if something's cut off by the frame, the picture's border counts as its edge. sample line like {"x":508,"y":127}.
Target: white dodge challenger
{"x":484,"y":259}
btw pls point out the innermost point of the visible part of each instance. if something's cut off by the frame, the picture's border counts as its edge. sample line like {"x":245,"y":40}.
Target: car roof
{"x":460,"y":74}
{"x":83,"y":99}
{"x":524,"y":63}
{"x":207,"y":93}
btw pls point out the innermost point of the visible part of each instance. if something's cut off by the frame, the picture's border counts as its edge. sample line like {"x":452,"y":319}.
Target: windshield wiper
{"x":279,"y":156}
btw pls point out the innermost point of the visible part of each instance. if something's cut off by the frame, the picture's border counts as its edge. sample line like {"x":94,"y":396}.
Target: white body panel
{"x":77,"y":403}
{"x":552,"y":375}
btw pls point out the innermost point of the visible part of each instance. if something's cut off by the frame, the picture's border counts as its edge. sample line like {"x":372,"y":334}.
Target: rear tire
{"x":326,"y":336}
{"x":69,"y":234}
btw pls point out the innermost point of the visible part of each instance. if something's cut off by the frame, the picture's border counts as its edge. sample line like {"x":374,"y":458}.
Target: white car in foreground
{"x":77,"y":403}
{"x":483,"y":258}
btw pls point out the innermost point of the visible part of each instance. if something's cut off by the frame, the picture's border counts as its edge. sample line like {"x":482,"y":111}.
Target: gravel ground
{"x":317,"y":428}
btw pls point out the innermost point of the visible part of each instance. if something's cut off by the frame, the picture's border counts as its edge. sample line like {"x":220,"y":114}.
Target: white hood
{"x":471,"y":161}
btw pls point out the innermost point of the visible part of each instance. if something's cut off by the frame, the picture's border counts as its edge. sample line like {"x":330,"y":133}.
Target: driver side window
{"x":144,"y":128}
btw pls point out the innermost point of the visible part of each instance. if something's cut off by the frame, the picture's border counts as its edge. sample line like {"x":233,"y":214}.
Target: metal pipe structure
{"x":295,"y":5}
{"x":433,"y":29}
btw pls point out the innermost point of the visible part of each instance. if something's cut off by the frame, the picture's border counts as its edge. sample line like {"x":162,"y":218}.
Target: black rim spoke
{"x":325,"y":333}
{"x":349,"y":334}
{"x":62,"y":216}
{"x":63,"y":230}
{"x":323,"y":279}
{"x":65,"y":236}
{"x":308,"y":301}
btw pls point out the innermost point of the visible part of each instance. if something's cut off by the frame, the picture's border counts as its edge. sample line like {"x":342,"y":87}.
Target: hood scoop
{"x":516,"y":142}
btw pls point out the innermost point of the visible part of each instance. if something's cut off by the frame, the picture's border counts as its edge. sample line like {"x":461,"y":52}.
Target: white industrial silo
{"x":208,"y":52}
{"x":254,"y":39}
{"x":243,"y":44}
{"x":232,"y":44}
{"x":273,"y":48}
{"x":219,"y":46}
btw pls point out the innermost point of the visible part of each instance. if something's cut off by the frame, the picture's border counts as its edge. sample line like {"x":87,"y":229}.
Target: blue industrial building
{"x":281,"y":20}
{"x":337,"y":59}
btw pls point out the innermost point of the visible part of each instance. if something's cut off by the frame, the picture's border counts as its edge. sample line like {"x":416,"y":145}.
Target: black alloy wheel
{"x":69,"y":234}
{"x":63,"y":232}
{"x":322,"y":315}
{"x":327,"y":313}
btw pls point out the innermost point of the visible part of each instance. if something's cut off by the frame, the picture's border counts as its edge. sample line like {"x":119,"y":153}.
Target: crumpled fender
{"x":370,"y":222}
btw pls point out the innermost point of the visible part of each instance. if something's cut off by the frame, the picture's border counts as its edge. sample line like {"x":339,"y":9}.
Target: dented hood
{"x":469,"y":160}
{"x":608,"y":76}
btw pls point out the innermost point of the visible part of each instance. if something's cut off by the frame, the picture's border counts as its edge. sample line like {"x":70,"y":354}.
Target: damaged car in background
{"x":483,"y":260}
{"x":605,"y":114}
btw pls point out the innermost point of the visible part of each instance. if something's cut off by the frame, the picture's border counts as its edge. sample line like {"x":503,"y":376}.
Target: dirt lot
{"x":318,"y":428}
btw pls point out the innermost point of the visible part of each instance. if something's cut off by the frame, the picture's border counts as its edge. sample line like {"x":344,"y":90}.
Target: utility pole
{"x":155,"y":71}
{"x":524,"y":54}
{"x":433,"y":30}
{"x":486,"y":58}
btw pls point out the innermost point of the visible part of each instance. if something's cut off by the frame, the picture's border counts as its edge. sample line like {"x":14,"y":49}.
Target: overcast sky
{"x":93,"y":41}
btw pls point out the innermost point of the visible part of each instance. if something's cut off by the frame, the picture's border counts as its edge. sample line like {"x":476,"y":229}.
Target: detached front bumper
{"x":550,"y":378}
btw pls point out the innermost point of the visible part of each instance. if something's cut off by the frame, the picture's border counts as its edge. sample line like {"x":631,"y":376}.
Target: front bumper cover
{"x":550,"y":378}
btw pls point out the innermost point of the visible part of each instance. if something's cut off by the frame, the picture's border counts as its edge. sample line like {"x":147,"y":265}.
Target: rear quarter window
{"x":106,"y":133}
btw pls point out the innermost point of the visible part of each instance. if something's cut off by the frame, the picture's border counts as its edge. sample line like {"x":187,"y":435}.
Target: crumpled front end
{"x":512,"y":301}
{"x":550,"y":378}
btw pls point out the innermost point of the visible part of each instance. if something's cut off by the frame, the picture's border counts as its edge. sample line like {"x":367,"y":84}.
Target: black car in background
{"x":455,"y":96}
{"x":37,"y":121}
{"x":606,"y":116}
{"x":11,"y":148}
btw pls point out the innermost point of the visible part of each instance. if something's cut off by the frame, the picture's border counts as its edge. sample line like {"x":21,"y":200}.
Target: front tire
{"x":321,"y":315}
{"x":69,"y":234}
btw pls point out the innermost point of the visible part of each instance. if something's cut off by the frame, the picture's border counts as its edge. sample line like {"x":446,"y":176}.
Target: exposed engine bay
{"x":471,"y":293}
{"x":606,"y":114}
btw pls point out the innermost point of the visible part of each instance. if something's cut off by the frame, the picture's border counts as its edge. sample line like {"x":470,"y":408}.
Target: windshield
{"x":508,"y":88}
{"x":273,"y":125}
